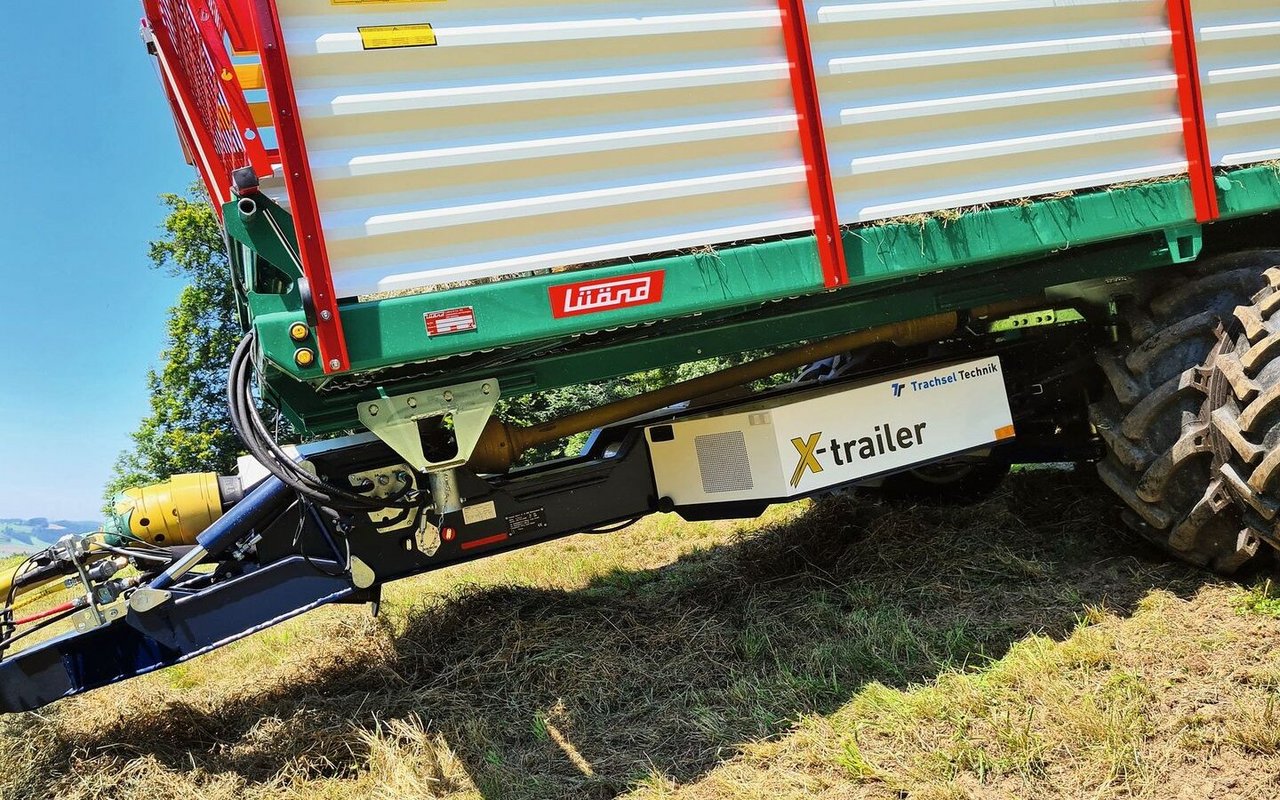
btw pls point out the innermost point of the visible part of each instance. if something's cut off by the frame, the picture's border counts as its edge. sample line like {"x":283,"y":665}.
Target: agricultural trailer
{"x":923,"y":239}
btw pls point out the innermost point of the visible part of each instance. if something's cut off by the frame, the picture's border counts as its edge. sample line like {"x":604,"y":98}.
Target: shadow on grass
{"x":545,"y":693}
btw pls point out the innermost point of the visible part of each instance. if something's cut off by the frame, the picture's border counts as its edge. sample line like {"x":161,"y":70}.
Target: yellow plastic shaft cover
{"x":173,"y":512}
{"x":6,"y":582}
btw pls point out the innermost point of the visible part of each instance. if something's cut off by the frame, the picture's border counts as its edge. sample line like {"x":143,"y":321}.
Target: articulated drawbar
{"x":299,"y":557}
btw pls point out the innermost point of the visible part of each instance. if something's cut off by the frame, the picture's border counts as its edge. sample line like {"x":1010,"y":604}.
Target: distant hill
{"x":37,"y":533}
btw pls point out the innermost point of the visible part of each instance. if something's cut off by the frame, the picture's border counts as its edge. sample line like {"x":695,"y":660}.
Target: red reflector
{"x":500,"y":537}
{"x":448,"y":534}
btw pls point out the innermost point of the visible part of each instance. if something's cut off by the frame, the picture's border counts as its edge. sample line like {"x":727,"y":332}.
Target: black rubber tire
{"x":963,"y":484}
{"x":1154,"y":417}
{"x":1243,"y":410}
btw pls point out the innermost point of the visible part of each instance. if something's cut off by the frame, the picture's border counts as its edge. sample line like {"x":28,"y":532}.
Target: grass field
{"x":1026,"y":647}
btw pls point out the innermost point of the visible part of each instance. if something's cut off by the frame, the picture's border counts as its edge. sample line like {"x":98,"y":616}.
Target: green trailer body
{"x":784,"y":169}
{"x":722,"y":300}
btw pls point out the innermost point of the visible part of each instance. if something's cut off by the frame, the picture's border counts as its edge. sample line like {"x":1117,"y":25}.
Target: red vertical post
{"x":813,"y":143}
{"x":1191,"y":102}
{"x":302,"y":197}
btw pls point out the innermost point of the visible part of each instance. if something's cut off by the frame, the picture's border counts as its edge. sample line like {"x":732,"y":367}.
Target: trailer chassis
{"x":274,"y":556}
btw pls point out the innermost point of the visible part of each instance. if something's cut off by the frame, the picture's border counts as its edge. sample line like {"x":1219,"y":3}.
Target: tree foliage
{"x":187,"y":428}
{"x":536,"y":409}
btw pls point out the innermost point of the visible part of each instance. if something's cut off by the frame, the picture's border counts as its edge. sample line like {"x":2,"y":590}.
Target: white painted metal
{"x":1238,"y":44}
{"x":934,"y":104}
{"x":539,"y":135}
{"x":758,"y":452}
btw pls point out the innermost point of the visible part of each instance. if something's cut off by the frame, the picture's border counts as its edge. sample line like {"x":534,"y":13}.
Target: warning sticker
{"x":385,"y":37}
{"x":481,"y":512}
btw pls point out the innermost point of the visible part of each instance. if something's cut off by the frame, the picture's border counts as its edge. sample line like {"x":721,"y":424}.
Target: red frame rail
{"x":204,"y":90}
{"x":238,"y":22}
{"x":192,"y":38}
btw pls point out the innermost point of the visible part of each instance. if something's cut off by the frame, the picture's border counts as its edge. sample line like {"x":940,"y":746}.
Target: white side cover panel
{"x":932,"y":104}
{"x":1238,"y":44}
{"x":542,"y":134}
{"x":823,"y":440}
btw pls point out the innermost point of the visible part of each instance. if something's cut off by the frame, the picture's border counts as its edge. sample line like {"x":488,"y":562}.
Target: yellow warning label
{"x":381,"y":37}
{"x":377,"y":2}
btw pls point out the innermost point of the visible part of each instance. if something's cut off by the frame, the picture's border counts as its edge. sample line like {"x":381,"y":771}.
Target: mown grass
{"x":1025,"y":647}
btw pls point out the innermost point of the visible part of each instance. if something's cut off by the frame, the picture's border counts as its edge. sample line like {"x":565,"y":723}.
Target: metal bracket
{"x":394,"y":420}
{"x":382,"y":483}
{"x":1035,"y":319}
{"x":362,"y":574}
{"x":93,"y":617}
{"x":1184,"y":242}
{"x":386,"y":481}
{"x":145,"y":599}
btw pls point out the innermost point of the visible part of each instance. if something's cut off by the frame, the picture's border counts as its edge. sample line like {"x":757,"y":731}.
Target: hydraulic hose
{"x":253,"y":432}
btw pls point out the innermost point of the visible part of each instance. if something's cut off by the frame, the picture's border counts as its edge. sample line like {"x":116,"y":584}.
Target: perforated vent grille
{"x":723,"y":462}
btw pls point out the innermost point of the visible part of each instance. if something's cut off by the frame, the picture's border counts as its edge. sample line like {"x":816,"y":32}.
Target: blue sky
{"x":86,"y":145}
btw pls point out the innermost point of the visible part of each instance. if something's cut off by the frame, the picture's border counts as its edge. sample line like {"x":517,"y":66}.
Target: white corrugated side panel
{"x":541,"y":134}
{"x":933,"y":104}
{"x":1238,"y":45}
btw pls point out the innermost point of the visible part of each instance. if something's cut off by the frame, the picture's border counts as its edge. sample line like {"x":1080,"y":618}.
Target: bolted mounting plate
{"x":394,"y":419}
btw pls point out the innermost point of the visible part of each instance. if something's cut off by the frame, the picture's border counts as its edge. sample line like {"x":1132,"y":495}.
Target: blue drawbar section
{"x":188,"y":625}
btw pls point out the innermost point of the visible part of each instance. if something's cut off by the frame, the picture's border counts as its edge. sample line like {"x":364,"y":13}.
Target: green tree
{"x":187,"y":428}
{"x":543,"y":407}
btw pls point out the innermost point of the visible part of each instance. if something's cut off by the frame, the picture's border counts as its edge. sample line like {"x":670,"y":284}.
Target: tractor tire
{"x":1154,"y":416}
{"x":1243,"y":409}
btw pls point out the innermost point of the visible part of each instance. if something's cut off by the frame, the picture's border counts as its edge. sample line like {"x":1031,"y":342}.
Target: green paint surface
{"x":718,"y":301}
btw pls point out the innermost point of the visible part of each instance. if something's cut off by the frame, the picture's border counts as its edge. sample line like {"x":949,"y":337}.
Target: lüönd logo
{"x":609,"y":294}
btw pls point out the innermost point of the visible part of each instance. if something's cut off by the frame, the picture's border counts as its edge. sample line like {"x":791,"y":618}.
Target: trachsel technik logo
{"x":897,"y":388}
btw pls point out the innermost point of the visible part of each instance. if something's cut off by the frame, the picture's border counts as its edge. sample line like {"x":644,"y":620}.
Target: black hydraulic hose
{"x":263,"y":446}
{"x":39,"y":574}
{"x":8,"y":641}
{"x":253,"y":432}
{"x":139,"y":554}
{"x":6,"y":614}
{"x":614,"y":528}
